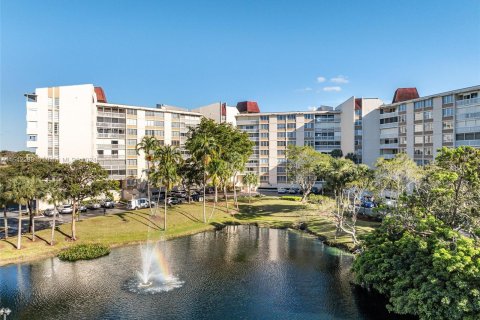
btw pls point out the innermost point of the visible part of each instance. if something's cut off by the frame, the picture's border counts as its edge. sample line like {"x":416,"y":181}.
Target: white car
{"x":66,"y":209}
{"x":281,"y":190}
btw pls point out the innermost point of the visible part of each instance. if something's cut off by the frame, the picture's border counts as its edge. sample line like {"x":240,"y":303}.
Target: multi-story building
{"x":419,"y":126}
{"x":348,"y":127}
{"x":77,"y":122}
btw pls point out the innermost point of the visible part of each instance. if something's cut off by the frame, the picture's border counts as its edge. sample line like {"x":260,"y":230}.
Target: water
{"x":237,"y":273}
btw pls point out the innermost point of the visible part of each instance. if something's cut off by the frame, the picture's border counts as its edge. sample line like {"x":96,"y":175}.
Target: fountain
{"x":155,"y":275}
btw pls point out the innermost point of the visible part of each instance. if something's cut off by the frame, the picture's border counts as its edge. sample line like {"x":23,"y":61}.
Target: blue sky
{"x":287,"y":55}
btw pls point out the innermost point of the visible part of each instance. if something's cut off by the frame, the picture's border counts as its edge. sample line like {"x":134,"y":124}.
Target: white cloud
{"x":339,"y":79}
{"x":321,"y":79}
{"x":307,"y":89}
{"x":334,"y":88}
{"x":312,"y":108}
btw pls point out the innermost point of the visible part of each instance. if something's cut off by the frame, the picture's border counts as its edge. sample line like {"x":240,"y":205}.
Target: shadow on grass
{"x":149,"y":222}
{"x":187,"y":215}
{"x":10,"y":243}
{"x":248,"y":211}
{"x":40,"y":238}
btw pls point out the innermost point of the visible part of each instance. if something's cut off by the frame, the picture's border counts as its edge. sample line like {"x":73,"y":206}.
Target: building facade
{"x":419,"y":126}
{"x":76,"y":122}
{"x":324,"y":129}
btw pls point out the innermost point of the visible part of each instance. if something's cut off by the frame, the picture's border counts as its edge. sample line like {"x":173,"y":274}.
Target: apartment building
{"x":419,"y":126}
{"x":77,"y":122}
{"x":348,"y":127}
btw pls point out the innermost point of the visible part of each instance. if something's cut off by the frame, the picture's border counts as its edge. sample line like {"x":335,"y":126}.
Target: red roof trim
{"x":248,"y":107}
{"x":100,"y":95}
{"x":404,"y":94}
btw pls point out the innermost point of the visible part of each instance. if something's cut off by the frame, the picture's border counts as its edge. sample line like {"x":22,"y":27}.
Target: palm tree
{"x":251,"y":180}
{"x":203,"y":149}
{"x":236,"y":164}
{"x":19,"y":190}
{"x":148,"y":145}
{"x":215,"y":170}
{"x":166,"y":172}
{"x":55,"y":196}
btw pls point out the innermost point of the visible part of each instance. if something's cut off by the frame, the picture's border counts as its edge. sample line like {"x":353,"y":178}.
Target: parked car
{"x":292,"y":191}
{"x":368,"y":204}
{"x":197,"y":197}
{"x":50,"y":212}
{"x":94,"y":205}
{"x":66,"y":209}
{"x":174,"y":200}
{"x":281,"y":190}
{"x":138,"y":204}
{"x":82,"y":209}
{"x":108,"y":204}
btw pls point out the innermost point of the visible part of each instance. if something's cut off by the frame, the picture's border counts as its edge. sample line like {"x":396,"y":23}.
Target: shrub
{"x":84,"y":252}
{"x":291,"y":198}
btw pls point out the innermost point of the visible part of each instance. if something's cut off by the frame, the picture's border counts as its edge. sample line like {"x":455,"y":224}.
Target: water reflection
{"x":241,"y":272}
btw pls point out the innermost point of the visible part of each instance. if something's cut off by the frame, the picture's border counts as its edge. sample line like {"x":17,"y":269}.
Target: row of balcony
{"x":467,"y":102}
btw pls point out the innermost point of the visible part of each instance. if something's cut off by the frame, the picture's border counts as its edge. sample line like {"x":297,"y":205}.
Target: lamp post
{"x":5,"y":312}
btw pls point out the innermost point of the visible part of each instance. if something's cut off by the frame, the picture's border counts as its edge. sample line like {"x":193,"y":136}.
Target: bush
{"x":291,"y":198}
{"x":84,"y":252}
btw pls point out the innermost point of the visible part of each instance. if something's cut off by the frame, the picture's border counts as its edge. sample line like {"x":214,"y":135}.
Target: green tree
{"x":430,"y":271}
{"x":81,"y":180}
{"x":5,"y":175}
{"x":353,"y":157}
{"x":55,"y":195}
{"x":148,"y":146}
{"x":302,"y":167}
{"x":250,"y":179}
{"x":191,"y":174}
{"x":168,"y":160}
{"x":19,"y":190}
{"x":336,"y":153}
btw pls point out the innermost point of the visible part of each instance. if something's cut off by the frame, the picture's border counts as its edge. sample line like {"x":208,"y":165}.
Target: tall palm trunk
{"x":204,"y":198}
{"x":74,"y":229}
{"x":165,"y":211}
{"x":235,"y":200}
{"x":225,"y":193}
{"x":5,"y":221}
{"x":216,"y":193}
{"x":19,"y":237}
{"x":249,"y":193}
{"x":148,"y":187}
{"x":52,"y":235}
{"x":30,"y":216}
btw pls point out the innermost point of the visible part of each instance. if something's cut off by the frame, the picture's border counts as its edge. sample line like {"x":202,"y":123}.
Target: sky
{"x":286,"y":55}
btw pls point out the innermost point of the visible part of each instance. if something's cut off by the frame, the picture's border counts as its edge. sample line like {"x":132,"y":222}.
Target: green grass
{"x":139,"y":226}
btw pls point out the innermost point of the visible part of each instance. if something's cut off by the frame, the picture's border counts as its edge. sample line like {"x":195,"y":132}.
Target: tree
{"x":336,"y":153}
{"x":250,"y":180}
{"x":430,"y":271}
{"x":5,"y":175}
{"x":168,"y":159}
{"x":353,"y":157}
{"x":19,"y":190}
{"x":202,"y":147}
{"x":302,"y":167}
{"x":55,"y":194}
{"x":148,"y":146}
{"x":191,"y":173}
{"x":81,"y":180}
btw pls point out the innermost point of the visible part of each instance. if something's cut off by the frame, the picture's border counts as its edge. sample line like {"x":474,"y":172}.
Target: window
{"x":32,"y":137}
{"x":175,"y":143}
{"x":131,"y":152}
{"x":132,"y":172}
{"x":447,"y":124}
{"x":131,"y":142}
{"x":264,"y":161}
{"x":427,"y":115}
{"x":264,"y":152}
{"x":264,"y":143}
{"x":418,"y":116}
{"x":418,"y":140}
{"x":309,"y":134}
{"x":447,"y":112}
{"x":264,"y":169}
{"x":175,"y":116}
{"x":418,"y":128}
{"x":55,"y":128}
{"x":428,"y":126}
{"x":281,"y":117}
{"x":310,"y":143}
{"x":403,"y":129}
{"x":291,"y":134}
{"x":281,"y":170}
{"x":281,"y":179}
{"x":428,"y":151}
{"x":132,"y":122}
{"x":132,"y":162}
{"x":149,"y":113}
{"x":418,"y":151}
{"x":281,"y":126}
{"x":131,"y":111}
{"x":448,"y":137}
{"x":175,"y":133}
{"x":264,"y":118}
{"x":309,"y":125}
{"x":402,"y":107}
{"x":291,"y":126}
{"x":402,"y":118}
{"x":264,"y":135}
{"x":175,"y":124}
{"x":403,"y":140}
{"x":264,"y":178}
{"x":428,"y":103}
{"x":447,"y":99}
{"x":308,"y":116}
{"x":281,"y":134}
{"x":429,"y":139}
{"x":264,"y":126}
{"x":291,"y":117}
{"x":281,"y":143}
{"x":418,"y":105}
{"x":132,"y":132}
{"x":281,"y":152}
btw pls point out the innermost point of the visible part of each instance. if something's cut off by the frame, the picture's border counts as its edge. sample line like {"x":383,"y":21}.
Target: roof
{"x":100,"y":95}
{"x":404,"y":94}
{"x":358,"y":104}
{"x":248,"y":107}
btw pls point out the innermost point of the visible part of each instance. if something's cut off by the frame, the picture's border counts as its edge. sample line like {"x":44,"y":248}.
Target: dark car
{"x":368,"y":204}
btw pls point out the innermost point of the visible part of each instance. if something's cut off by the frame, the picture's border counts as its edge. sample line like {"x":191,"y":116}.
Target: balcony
{"x":472,"y":143}
{"x":467,"y":102}
{"x":388,"y":156}
{"x":388,"y":115}
{"x":111,"y":146}
{"x":389,"y":146}
{"x":111,"y":156}
{"x":389,"y":125}
{"x":388,"y":135}
{"x":111,"y":135}
{"x":110,"y":125}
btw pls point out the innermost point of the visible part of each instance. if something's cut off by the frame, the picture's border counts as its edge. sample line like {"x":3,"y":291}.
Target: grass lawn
{"x":138,"y":226}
